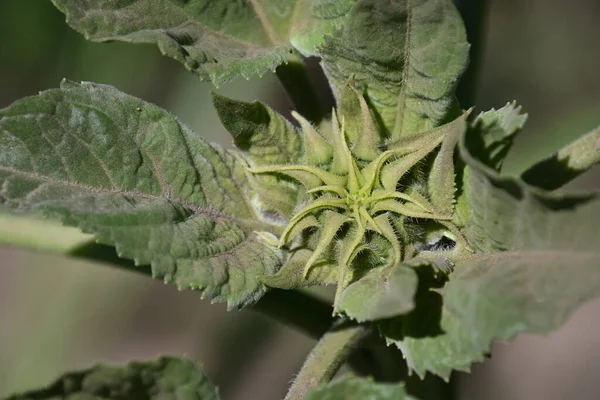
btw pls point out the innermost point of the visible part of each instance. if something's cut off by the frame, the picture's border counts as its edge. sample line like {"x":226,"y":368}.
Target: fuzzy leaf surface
{"x":351,"y":388}
{"x":264,"y":137}
{"x":291,"y":274}
{"x":217,"y":40}
{"x":381,"y":293}
{"x":167,"y":378}
{"x":537,"y":260}
{"x":407,"y":56}
{"x":135,"y":177}
{"x":491,"y":136}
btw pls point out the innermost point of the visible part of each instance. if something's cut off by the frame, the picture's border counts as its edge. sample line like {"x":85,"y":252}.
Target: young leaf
{"x":538,"y":261}
{"x":492,"y":133}
{"x":352,"y":388}
{"x":490,"y":137}
{"x":217,"y":40}
{"x":263,"y":135}
{"x":407,"y":56}
{"x":566,"y":164}
{"x":382,"y":293}
{"x":439,"y":347}
{"x":265,"y":138}
{"x":164,"y":378}
{"x":135,"y":177}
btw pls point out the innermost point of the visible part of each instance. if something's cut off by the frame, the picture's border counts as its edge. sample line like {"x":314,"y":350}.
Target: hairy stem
{"x":326,"y":357}
{"x":297,"y":83}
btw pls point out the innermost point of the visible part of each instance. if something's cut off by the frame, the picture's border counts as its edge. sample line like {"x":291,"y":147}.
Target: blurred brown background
{"x":58,"y":314}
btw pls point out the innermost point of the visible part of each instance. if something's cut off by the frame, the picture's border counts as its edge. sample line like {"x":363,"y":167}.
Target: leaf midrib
{"x":131,"y":193}
{"x":265,"y":23}
{"x":402,"y":97}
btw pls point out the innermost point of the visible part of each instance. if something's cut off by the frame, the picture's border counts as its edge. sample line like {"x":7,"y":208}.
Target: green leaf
{"x":381,"y":293}
{"x":135,"y":177}
{"x":490,"y":138}
{"x":537,"y":261}
{"x":566,"y":164}
{"x":440,"y":347}
{"x":413,"y":333}
{"x":492,"y":133}
{"x":407,"y":56}
{"x":351,"y":388}
{"x":265,"y":138}
{"x":165,"y":378}
{"x":217,"y":40}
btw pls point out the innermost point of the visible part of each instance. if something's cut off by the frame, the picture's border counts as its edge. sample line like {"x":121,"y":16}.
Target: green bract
{"x":397,"y":196}
{"x":353,"y":179}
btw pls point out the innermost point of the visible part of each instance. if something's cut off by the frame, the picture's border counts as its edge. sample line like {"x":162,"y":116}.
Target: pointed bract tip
{"x":350,"y":81}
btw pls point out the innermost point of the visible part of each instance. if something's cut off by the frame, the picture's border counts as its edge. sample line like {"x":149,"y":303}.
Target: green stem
{"x":295,"y":79}
{"x":326,"y":357}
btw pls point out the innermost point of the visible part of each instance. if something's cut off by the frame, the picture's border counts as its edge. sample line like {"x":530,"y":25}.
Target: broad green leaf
{"x":566,"y":164}
{"x":382,"y":293}
{"x":491,"y":135}
{"x":352,"y":388}
{"x":217,"y":40}
{"x":164,"y":379}
{"x":135,"y":177}
{"x":538,"y":260}
{"x":440,"y":346}
{"x":407,"y":56}
{"x":263,"y":135}
{"x":265,"y":138}
{"x":411,"y":333}
{"x":496,"y":296}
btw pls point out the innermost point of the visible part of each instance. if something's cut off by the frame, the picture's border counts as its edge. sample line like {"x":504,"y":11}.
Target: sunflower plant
{"x":395,"y":196}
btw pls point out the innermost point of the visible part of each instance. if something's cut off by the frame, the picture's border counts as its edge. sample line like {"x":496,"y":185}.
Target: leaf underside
{"x":381,"y":293}
{"x":165,"y":378}
{"x":135,"y":177}
{"x":217,"y":40}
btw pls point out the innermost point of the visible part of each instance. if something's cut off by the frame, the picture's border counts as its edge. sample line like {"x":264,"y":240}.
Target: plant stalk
{"x":326,"y":357}
{"x":295,"y":79}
